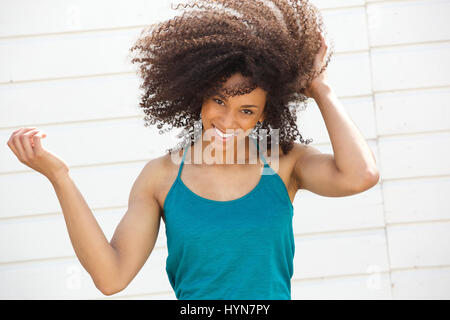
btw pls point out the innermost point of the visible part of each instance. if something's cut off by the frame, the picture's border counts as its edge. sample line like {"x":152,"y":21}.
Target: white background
{"x":64,"y":69}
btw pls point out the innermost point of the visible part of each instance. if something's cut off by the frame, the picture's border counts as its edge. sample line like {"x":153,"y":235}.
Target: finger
{"x":323,"y":50}
{"x":11,"y":144}
{"x":32,"y":134}
{"x":39,"y":134}
{"x":17,"y":143}
{"x":13,"y":148}
{"x":23,"y":130}
{"x":17,"y":130}
{"x":324,"y":42}
{"x":37,"y":143}
{"x":26,"y":143}
{"x":18,"y":148}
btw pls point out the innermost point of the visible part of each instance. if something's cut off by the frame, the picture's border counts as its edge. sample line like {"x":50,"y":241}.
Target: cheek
{"x":206,"y":114}
{"x":208,"y":111}
{"x":246,"y":126}
{"x":249,"y":123}
{"x":211,"y":113}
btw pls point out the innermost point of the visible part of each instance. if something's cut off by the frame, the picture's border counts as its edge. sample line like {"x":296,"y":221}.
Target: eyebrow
{"x":245,"y":105}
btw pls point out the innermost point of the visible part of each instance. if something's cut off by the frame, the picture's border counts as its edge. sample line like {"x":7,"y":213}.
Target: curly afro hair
{"x":186,"y":59}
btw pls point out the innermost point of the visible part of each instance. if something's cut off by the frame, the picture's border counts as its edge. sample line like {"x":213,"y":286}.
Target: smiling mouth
{"x":222,"y":136}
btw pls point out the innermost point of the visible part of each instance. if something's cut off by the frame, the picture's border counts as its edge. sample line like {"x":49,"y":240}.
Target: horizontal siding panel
{"x":64,"y":279}
{"x":361,"y":110}
{"x":329,"y":4}
{"x":421,"y":284}
{"x":419,"y":245}
{"x":328,"y":148}
{"x":417,"y":199}
{"x":410,"y":67}
{"x":66,"y":55}
{"x":67,"y":279}
{"x":340,"y":254}
{"x":94,"y":184}
{"x":374,"y":286}
{"x":350,"y":75}
{"x":314,"y":213}
{"x":400,"y":22}
{"x":95,"y":142}
{"x":413,"y":111}
{"x":411,"y":156}
{"x":47,"y":237}
{"x":86,"y":99}
{"x":347,"y":28}
{"x":22,"y":17}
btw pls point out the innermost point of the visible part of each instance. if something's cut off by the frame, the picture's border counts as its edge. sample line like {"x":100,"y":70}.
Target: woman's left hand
{"x":319,"y":62}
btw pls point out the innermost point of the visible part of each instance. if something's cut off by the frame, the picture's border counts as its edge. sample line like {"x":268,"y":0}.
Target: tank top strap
{"x":259,"y":151}
{"x":182,"y":161}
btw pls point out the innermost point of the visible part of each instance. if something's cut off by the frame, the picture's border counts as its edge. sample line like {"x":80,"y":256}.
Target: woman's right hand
{"x":26,"y":145}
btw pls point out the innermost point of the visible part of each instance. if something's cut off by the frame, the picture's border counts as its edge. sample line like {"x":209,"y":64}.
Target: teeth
{"x":222,"y":134}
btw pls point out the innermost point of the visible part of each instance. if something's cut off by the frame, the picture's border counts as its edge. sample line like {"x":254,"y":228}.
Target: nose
{"x":227,"y":121}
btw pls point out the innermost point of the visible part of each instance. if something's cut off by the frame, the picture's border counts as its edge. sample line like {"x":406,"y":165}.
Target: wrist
{"x":58,"y":177}
{"x":320,"y":89}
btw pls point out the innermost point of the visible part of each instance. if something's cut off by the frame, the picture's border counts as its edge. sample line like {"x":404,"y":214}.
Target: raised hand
{"x":319,"y":63}
{"x":26,"y":145}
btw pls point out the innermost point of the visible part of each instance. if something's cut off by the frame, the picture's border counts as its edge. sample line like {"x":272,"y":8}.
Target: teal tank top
{"x":230,"y":250}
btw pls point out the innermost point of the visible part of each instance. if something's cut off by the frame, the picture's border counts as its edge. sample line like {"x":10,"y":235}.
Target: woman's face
{"x":236,"y":115}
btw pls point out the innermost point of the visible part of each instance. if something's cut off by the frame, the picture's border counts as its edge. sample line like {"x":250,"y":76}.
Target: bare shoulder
{"x":154,"y":173}
{"x":161,"y":173}
{"x":286,"y":167}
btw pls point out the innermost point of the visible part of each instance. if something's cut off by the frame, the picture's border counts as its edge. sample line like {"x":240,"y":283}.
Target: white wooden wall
{"x":64,"y":69}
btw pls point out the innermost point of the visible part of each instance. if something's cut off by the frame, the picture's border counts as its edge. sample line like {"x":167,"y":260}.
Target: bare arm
{"x":113,"y":265}
{"x":88,"y":240}
{"x":352,"y":168}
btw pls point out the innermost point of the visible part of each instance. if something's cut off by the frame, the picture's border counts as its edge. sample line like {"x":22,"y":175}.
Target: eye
{"x":217,"y":100}
{"x":250,"y":112}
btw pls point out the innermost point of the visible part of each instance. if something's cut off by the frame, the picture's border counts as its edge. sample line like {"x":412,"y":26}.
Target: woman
{"x":223,"y":78}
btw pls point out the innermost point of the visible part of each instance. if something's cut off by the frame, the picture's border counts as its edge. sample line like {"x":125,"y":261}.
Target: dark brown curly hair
{"x":186,"y":59}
